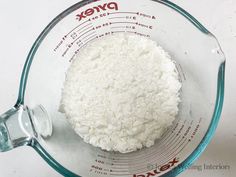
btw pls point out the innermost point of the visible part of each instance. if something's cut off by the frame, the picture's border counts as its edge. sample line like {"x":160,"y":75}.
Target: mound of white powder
{"x":121,"y":93}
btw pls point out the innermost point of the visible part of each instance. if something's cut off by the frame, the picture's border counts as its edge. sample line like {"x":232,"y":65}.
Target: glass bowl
{"x":35,"y":120}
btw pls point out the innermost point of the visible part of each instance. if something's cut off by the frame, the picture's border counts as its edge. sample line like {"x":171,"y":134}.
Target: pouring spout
{"x":19,"y":125}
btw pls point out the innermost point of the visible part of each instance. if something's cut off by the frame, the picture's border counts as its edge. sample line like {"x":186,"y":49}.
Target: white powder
{"x":121,"y":93}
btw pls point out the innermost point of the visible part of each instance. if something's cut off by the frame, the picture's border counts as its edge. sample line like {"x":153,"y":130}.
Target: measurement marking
{"x":123,"y":23}
{"x":167,"y":143}
{"x":114,"y":174}
{"x":116,"y":167}
{"x":111,"y":13}
{"x":173,"y":150}
{"x":75,"y":53}
{"x":155,"y":154}
{"x":117,"y":171}
{"x":120,"y":164}
{"x":115,"y":17}
{"x":163,"y":162}
{"x":182,"y":71}
{"x":82,"y":35}
{"x":85,"y":42}
{"x":168,"y":135}
{"x":65,"y":52}
{"x":88,"y":35}
{"x":113,"y":27}
{"x":170,"y":147}
{"x":72,"y":58}
{"x":89,"y":39}
{"x":180,"y":78}
{"x":85,"y":27}
{"x":178,"y":151}
{"x":150,"y":154}
{"x":170,"y":155}
{"x":131,"y":159}
{"x":138,"y":166}
{"x":117,"y":32}
{"x":174,"y":141}
{"x":70,"y":45}
{"x":200,"y":120}
{"x":131,"y":32}
{"x":77,"y":27}
{"x":174,"y":129}
{"x":58,"y":45}
{"x":147,"y":158}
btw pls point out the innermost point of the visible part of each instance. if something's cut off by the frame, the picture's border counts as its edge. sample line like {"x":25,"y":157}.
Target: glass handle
{"x":19,"y":125}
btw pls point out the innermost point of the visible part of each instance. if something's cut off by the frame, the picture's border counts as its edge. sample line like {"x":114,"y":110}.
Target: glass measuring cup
{"x":200,"y":63}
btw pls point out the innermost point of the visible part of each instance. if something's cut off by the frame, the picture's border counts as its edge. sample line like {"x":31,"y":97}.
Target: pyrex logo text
{"x":158,"y":170}
{"x":99,"y":8}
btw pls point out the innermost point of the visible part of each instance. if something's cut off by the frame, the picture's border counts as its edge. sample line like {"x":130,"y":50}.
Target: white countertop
{"x":22,"y":21}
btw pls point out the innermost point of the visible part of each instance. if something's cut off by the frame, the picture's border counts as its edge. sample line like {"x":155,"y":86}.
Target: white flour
{"x":121,"y":93}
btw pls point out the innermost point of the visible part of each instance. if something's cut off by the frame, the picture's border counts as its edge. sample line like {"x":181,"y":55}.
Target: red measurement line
{"x":115,"y":167}
{"x":154,"y":160}
{"x":72,"y":58}
{"x":170,"y":148}
{"x":181,"y":148}
{"x":123,"y":13}
{"x":163,"y":162}
{"x":120,"y":164}
{"x":177,"y":152}
{"x":117,"y":31}
{"x":119,"y":160}
{"x":175,"y":131}
{"x":154,"y":155}
{"x":170,"y":156}
{"x":147,"y":158}
{"x":90,"y":24}
{"x":118,"y":27}
{"x":81,"y":47}
{"x":167,"y":142}
{"x":150,"y":154}
{"x":114,"y":174}
{"x":125,"y":161}
{"x":82,"y":35}
{"x":123,"y":23}
{"x":174,"y":141}
{"x":65,"y":52}
{"x":86,"y":29}
{"x":115,"y":17}
{"x":153,"y":152}
{"x":138,"y":161}
{"x":163,"y":146}
{"x":168,"y":135}
{"x":118,"y":171}
{"x":89,"y":39}
{"x":77,"y":27}
{"x":131,"y":32}
{"x":170,"y":132}
{"x":178,"y":146}
{"x":88,"y":35}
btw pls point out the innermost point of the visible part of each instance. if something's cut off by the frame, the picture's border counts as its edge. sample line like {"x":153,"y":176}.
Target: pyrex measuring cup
{"x":36,"y":121}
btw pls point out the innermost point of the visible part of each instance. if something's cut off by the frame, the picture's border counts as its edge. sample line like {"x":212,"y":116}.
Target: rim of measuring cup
{"x":218,"y":104}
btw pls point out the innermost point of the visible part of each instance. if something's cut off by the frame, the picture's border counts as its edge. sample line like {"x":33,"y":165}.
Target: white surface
{"x":22,"y":21}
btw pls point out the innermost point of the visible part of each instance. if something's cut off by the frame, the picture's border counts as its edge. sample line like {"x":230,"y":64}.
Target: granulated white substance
{"x":121,"y":93}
